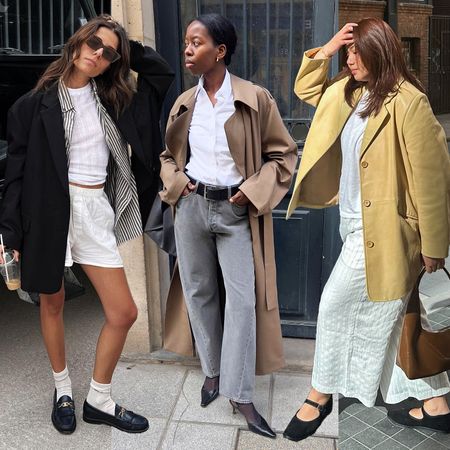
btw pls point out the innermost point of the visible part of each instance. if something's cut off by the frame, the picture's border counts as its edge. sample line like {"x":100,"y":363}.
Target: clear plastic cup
{"x":10,"y":271}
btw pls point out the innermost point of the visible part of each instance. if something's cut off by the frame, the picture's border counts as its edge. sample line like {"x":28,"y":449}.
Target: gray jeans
{"x":207,"y":233}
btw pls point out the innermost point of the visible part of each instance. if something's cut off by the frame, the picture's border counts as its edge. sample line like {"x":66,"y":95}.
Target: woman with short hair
{"x":228,"y":162}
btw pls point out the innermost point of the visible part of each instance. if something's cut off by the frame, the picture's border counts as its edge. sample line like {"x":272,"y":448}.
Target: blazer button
{"x":370,"y":244}
{"x":367,"y":203}
{"x":364,"y":164}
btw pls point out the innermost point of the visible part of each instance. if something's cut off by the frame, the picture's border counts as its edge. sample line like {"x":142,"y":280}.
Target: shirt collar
{"x":66,"y":100}
{"x":224,"y":91}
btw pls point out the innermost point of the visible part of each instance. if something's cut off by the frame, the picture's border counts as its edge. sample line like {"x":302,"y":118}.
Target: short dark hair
{"x":222,"y":31}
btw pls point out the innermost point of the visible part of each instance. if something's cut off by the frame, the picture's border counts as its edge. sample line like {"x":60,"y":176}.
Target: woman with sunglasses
{"x":82,"y":168}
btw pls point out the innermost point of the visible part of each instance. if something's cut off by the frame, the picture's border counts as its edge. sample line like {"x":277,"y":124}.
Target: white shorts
{"x":91,"y":238}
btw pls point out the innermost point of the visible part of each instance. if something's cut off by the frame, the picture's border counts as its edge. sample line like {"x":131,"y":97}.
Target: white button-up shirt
{"x":211,"y":161}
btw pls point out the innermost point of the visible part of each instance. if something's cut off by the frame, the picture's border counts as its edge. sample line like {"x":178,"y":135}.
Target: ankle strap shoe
{"x":298,"y":429}
{"x":439,"y":423}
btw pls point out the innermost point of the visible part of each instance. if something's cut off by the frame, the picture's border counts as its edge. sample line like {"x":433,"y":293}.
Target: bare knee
{"x":124,"y":318}
{"x":52,"y":304}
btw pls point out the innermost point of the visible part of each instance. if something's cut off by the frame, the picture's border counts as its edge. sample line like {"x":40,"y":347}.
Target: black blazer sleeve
{"x":10,"y":216}
{"x":154,"y":79}
{"x":154,"y":73}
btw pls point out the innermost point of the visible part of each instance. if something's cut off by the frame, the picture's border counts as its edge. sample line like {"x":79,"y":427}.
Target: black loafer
{"x":301,"y":429}
{"x":123,"y":419}
{"x":63,"y":414}
{"x":436,"y":423}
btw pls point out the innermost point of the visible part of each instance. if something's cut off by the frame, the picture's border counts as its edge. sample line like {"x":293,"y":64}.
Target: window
{"x":272,"y":36}
{"x":40,"y":26}
{"x":410,"y":48}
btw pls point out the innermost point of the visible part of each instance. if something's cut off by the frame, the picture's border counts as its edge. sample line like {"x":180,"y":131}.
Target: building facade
{"x":424,"y":30}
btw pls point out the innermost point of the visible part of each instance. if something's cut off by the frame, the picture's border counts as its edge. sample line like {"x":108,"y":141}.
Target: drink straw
{"x":4,"y":258}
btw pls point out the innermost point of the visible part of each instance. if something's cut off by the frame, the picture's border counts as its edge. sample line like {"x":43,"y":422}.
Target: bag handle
{"x":414,"y":301}
{"x":423,"y":271}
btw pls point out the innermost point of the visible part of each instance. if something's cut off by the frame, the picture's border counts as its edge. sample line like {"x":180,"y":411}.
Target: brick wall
{"x":356,"y":10}
{"x":413,"y":22}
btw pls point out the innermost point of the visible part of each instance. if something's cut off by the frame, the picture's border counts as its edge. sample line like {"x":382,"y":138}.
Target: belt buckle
{"x":205,"y":192}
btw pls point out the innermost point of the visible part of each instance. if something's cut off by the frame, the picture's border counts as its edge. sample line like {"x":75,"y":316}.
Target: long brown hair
{"x":381,"y":53}
{"x":115,"y":86}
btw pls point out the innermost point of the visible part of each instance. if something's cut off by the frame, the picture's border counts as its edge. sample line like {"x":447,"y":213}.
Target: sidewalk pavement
{"x":167,"y":393}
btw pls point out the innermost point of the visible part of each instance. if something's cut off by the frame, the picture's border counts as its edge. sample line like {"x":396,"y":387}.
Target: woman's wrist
{"x":322,"y":54}
{"x":326,"y":53}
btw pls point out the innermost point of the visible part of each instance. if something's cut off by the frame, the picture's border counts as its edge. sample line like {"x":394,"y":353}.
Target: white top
{"x":211,"y":161}
{"x":351,"y":139}
{"x":89,"y":153}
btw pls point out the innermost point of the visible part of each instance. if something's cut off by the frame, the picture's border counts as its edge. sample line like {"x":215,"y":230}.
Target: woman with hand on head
{"x":228,"y":162}
{"x":83,"y":154}
{"x":374,"y":147}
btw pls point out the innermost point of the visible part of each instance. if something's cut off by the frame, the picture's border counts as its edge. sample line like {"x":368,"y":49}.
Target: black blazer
{"x":34,"y":215}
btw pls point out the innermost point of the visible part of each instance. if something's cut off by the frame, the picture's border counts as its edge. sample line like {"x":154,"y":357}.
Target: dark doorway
{"x":439,"y":76}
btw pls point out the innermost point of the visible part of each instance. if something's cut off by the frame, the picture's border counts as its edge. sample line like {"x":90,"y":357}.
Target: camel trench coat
{"x":265,"y":156}
{"x":404,"y":175}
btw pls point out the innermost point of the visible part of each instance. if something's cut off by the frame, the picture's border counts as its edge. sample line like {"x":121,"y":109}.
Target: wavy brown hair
{"x":115,"y":86}
{"x":380,"y":51}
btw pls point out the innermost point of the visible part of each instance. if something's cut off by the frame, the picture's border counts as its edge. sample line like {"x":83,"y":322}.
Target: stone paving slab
{"x":199,"y":436}
{"x":298,"y":354}
{"x":219,"y":412}
{"x":148,"y":440}
{"x":288,"y":395}
{"x":148,"y":389}
{"x":38,"y":433}
{"x":250,"y":441}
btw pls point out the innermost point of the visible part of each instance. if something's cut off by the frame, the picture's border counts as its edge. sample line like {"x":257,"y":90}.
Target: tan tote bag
{"x":422,"y":353}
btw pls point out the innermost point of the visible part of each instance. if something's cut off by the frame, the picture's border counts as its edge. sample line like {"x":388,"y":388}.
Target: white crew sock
{"x":62,"y":383}
{"x":99,"y":396}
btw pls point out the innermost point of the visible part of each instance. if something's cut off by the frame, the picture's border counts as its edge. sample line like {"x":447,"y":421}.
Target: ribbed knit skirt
{"x":357,"y":339}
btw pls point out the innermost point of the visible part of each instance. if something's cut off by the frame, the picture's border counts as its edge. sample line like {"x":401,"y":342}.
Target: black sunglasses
{"x":94,"y":42}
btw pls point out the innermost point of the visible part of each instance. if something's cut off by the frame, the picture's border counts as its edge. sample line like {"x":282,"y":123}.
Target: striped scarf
{"x":120,"y":186}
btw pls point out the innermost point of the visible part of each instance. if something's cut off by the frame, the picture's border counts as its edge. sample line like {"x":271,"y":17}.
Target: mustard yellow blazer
{"x":404,"y":173}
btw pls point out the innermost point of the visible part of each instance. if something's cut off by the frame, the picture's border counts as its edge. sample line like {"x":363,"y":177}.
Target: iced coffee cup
{"x":10,"y":271}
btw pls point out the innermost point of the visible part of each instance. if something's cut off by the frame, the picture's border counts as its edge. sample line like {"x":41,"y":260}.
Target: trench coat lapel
{"x":53,"y":123}
{"x":243,"y":93}
{"x":235,"y":132}
{"x":177,"y":133}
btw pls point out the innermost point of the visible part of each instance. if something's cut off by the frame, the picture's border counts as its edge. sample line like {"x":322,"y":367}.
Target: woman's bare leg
{"x":434,"y":406}
{"x":120,"y":314}
{"x":52,"y":327}
{"x":308,"y":412}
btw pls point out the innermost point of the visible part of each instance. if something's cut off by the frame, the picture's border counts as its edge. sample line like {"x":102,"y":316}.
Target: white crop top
{"x":89,"y":153}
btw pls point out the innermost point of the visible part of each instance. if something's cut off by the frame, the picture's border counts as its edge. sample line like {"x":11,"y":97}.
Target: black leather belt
{"x":214,"y":192}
